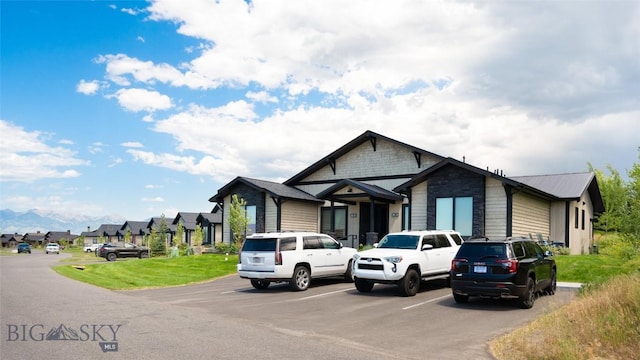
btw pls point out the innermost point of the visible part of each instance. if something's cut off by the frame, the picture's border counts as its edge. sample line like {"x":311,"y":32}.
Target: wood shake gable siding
{"x":419,"y":206}
{"x":530,"y":215}
{"x":270,"y":215}
{"x":496,"y":209}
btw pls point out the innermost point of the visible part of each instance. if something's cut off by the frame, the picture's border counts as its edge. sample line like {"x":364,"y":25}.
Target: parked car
{"x":113,"y":251}
{"x":91,"y":247}
{"x":52,"y":248}
{"x":293,"y":257}
{"x":24,"y":248}
{"x":515,"y":268}
{"x":405,"y":259}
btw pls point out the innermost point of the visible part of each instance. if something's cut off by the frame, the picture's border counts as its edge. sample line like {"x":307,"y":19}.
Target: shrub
{"x":227,"y":248}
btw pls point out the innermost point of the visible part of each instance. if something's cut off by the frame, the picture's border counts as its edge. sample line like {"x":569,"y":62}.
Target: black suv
{"x":514,"y":268}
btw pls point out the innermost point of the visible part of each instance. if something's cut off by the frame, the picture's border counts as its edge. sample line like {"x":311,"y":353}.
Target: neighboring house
{"x":56,"y":236}
{"x":138,"y":230}
{"x":10,"y":240}
{"x":90,"y":237}
{"x":110,"y":232}
{"x":374,"y":185}
{"x":154,"y":224}
{"x":189,"y":223}
{"x":34,"y":239}
{"x":211,"y":225}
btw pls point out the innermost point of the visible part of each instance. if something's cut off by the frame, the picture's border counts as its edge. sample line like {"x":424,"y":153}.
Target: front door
{"x":380,"y":220}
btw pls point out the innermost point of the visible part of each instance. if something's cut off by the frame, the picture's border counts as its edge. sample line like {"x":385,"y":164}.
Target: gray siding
{"x":530,"y":215}
{"x":299,"y":215}
{"x":419,"y":206}
{"x":496,"y":209}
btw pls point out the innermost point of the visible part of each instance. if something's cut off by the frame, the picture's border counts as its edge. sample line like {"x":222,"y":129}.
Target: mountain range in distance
{"x":32,"y":221}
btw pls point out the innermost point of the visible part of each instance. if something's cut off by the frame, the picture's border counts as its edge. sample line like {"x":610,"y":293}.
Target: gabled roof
{"x":37,"y":236}
{"x":188,"y":220}
{"x":567,"y":186}
{"x":371,"y":190}
{"x":274,"y":189}
{"x":55,"y":236}
{"x":157,"y":220}
{"x":210,"y":218}
{"x":366,"y":136}
{"x":108,"y":230}
{"x":137,"y":227}
{"x":422,"y":176}
{"x":6,"y":238}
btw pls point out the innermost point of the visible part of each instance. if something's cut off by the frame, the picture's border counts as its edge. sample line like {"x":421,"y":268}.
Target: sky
{"x":138,"y":109}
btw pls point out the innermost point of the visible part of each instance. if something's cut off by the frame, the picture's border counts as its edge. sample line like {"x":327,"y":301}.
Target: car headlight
{"x":393,"y":259}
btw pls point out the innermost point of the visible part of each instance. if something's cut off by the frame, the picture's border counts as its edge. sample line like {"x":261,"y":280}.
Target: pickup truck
{"x":405,"y":259}
{"x":113,"y":251}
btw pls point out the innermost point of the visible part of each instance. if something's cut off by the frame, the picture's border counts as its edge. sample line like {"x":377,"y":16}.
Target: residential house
{"x":34,"y":239}
{"x":188,"y":220}
{"x":156,"y":223}
{"x":57,"y":236}
{"x":137,"y":230}
{"x":211,"y":224}
{"x":110,"y":233}
{"x":10,"y":240}
{"x":374,"y":185}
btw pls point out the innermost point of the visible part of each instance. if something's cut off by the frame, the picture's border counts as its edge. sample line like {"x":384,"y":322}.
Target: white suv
{"x":294,"y":257}
{"x":406,"y":258}
{"x":52,"y":248}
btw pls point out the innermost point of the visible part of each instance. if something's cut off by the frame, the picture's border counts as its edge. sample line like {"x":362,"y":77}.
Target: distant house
{"x":154,"y":224}
{"x":211,"y":225}
{"x":189,"y":223}
{"x":34,"y":239}
{"x":110,"y":232}
{"x":56,"y":236}
{"x":90,"y":237}
{"x":374,"y":185}
{"x":138,"y":230}
{"x":10,"y":240}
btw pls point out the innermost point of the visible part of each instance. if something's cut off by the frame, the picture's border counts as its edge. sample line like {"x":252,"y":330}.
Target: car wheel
{"x":144,"y":255}
{"x":459,"y":298}
{"x":529,"y":298}
{"x":112,"y":257}
{"x":410,"y":283}
{"x":551,"y":289}
{"x":348,"y":276}
{"x":301,"y":278}
{"x":363,"y":285}
{"x":260,"y":284}
{"x":46,"y":252}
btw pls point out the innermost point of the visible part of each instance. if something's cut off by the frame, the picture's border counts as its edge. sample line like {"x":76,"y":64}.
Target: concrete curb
{"x":569,"y":285}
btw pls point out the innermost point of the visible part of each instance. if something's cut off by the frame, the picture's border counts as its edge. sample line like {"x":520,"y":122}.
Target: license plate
{"x":257,"y":260}
{"x":480,"y":269}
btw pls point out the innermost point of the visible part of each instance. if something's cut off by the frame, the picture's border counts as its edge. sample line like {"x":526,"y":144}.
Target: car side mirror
{"x":375,"y":245}
{"x":427,"y":247}
{"x":548,"y":253}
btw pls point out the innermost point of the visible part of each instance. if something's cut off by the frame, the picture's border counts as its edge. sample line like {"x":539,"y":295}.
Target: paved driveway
{"x":228,"y":319}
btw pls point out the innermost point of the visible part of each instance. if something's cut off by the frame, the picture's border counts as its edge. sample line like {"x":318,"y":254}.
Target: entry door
{"x":381,"y":220}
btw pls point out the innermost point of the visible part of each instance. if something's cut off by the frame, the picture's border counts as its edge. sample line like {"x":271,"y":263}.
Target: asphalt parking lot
{"x":229,"y":319}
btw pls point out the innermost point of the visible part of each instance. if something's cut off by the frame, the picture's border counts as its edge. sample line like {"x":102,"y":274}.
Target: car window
{"x":329,"y":243}
{"x":518,"y":250}
{"x":456,"y":238}
{"x":399,"y":241}
{"x":532,"y":249}
{"x":287,"y":244}
{"x":429,"y":240}
{"x":268,"y":244}
{"x":311,"y":242}
{"x":482,"y":250}
{"x":442,"y":240}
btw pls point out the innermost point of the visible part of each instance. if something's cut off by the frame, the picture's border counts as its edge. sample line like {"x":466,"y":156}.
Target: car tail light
{"x":456,"y":263}
{"x":512,"y":265}
{"x":278,"y":257}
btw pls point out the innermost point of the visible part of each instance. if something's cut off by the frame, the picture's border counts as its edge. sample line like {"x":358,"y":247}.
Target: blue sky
{"x":136,"y":109}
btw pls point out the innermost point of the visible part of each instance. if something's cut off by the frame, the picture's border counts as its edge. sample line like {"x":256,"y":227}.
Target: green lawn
{"x":144,"y":273}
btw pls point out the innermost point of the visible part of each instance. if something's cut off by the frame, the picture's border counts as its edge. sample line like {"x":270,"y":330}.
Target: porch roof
{"x":373,"y":191}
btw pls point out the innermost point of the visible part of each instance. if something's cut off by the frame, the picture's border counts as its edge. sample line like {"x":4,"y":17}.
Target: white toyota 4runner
{"x":294,"y":257}
{"x":406,"y":258}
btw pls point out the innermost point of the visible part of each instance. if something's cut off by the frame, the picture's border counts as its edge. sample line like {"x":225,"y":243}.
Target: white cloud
{"x":154,"y":199}
{"x":261,"y":97}
{"x":132,"y":144}
{"x":142,"y":100}
{"x":88,"y":87}
{"x":26,"y":157}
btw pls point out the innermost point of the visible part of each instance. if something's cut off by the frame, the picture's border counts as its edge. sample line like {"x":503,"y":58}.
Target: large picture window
{"x":251,"y":216}
{"x":340,"y":222}
{"x":455,"y":214}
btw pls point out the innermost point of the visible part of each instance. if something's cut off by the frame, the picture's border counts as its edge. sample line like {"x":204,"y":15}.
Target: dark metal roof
{"x":567,"y":186}
{"x":189,"y":220}
{"x":210,"y":218}
{"x":366,"y":136}
{"x":137,"y":227}
{"x":374,"y":191}
{"x":274,"y":189}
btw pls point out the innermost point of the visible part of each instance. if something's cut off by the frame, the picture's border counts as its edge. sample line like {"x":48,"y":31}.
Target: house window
{"x":582,"y":219}
{"x":250,"y":211}
{"x":405,"y":217}
{"x":455,"y":214}
{"x":340,"y":221}
{"x":576,"y":218}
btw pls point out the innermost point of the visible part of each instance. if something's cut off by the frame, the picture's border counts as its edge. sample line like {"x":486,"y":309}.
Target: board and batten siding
{"x":226,"y":209}
{"x":419,"y":206}
{"x":495,"y":209}
{"x":270,"y":215}
{"x":530,"y":215}
{"x":300,"y":216}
